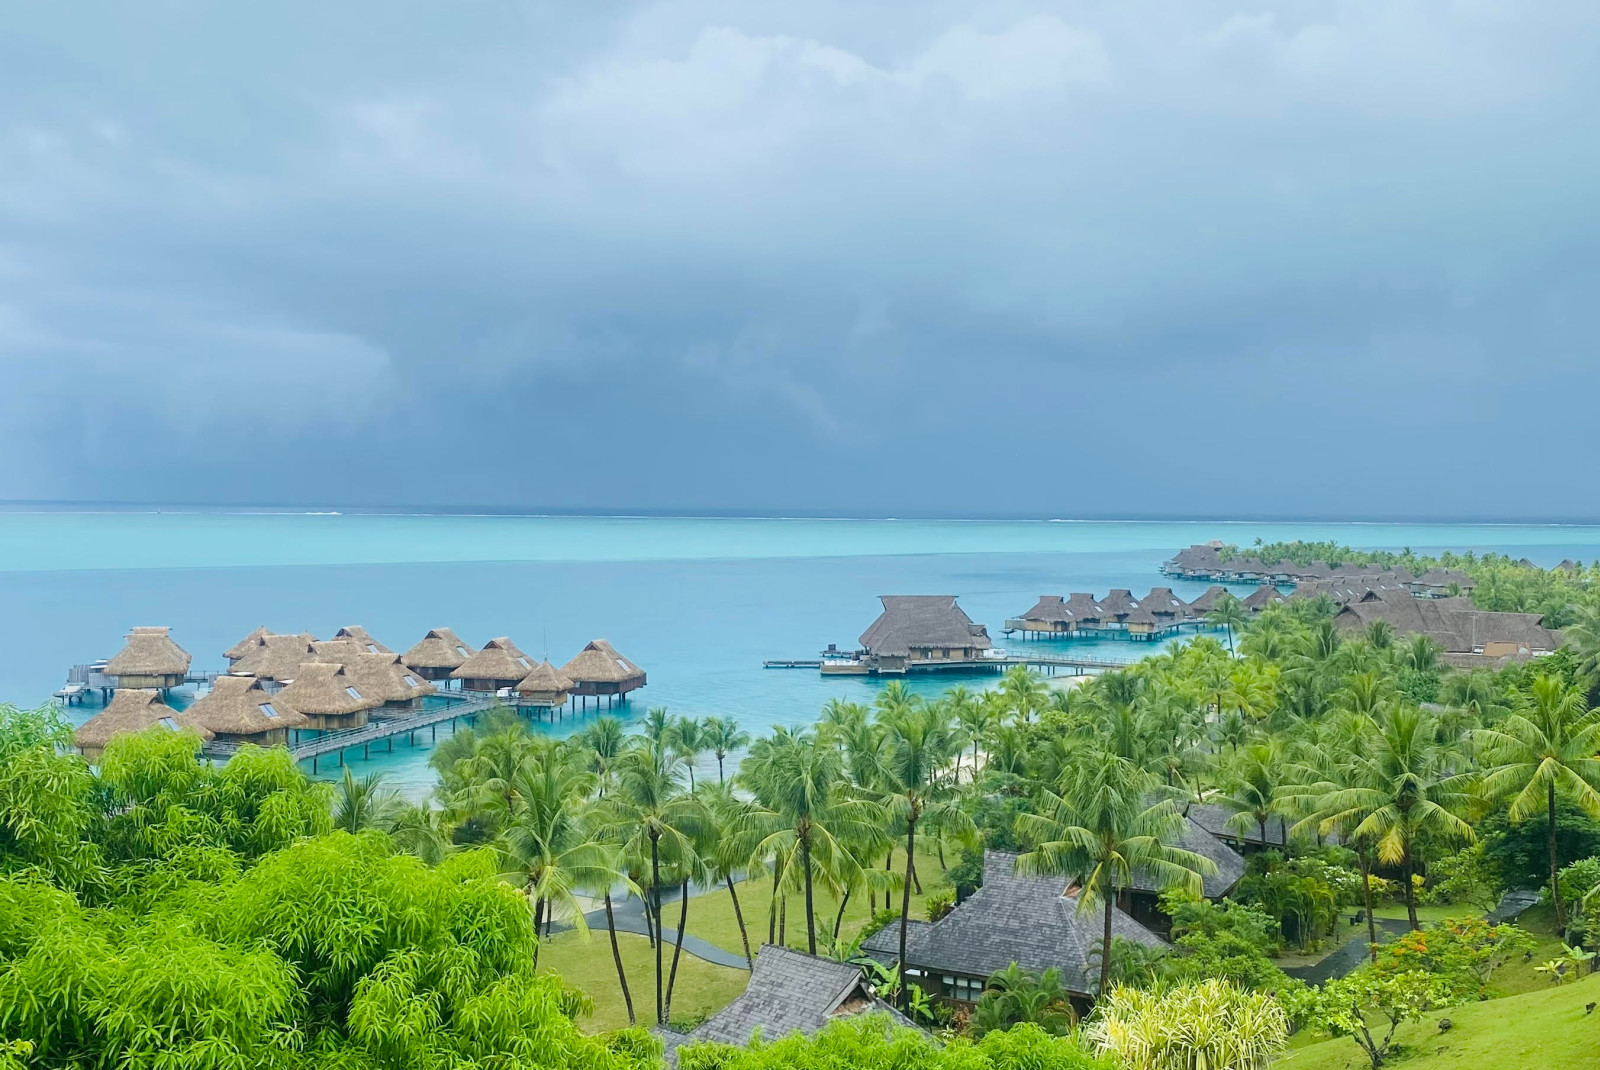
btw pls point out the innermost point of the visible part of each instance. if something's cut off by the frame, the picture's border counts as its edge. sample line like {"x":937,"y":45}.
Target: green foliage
{"x":1368,"y":1007}
{"x":1462,"y":953}
{"x":1014,"y":995}
{"x":1210,"y":1024}
{"x":1517,"y":854}
{"x":1230,"y":941}
{"x":939,"y":903}
{"x":1303,"y":894}
{"x":872,"y":1041}
{"x":1465,"y":878}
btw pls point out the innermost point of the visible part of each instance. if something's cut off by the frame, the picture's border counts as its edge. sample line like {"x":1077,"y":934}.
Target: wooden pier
{"x":1051,"y":663}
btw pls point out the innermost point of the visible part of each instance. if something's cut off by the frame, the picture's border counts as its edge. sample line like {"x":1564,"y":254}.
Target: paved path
{"x":629,"y":915}
{"x":1341,"y":961}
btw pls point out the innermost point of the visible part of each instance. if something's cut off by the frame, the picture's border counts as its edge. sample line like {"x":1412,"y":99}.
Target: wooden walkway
{"x":1084,"y":663}
{"x":376,"y":731}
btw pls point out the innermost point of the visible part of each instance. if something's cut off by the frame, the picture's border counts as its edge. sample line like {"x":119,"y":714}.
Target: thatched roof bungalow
{"x":546,"y":685}
{"x":130,"y":710}
{"x":276,"y":658}
{"x":329,"y":698}
{"x":1466,"y":634}
{"x":922,"y":628}
{"x":245,"y":645}
{"x":150,"y":659}
{"x":395,"y":685}
{"x":1262,"y":597}
{"x":357,"y":634}
{"x":437,"y":654}
{"x":1164,"y":606}
{"x":1207,"y":601}
{"x":499,"y":664}
{"x":238,"y":709}
{"x":599,"y":670}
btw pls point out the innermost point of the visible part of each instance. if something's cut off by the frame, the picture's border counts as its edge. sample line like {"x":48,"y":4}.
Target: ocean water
{"x":699,"y":603}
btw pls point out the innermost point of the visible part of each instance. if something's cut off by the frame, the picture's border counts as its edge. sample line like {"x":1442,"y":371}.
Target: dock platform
{"x":374,"y":731}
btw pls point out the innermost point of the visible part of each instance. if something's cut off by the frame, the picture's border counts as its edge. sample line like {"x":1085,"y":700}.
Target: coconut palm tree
{"x":604,"y":741}
{"x":420,"y":830}
{"x":918,"y":742}
{"x":1255,"y":786}
{"x":1401,"y":787}
{"x":1230,"y":614}
{"x":1025,"y":692}
{"x":688,"y":737}
{"x":722,"y":737}
{"x":1545,"y":750}
{"x":659,"y":823}
{"x":1102,"y":829}
{"x":364,"y":803}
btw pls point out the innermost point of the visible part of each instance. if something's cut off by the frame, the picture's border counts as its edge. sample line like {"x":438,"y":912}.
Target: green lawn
{"x":712,"y":919}
{"x":1546,"y":1029}
{"x":702,"y":988}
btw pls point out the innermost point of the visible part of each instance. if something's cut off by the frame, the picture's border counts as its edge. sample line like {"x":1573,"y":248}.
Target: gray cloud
{"x":1062,"y":258}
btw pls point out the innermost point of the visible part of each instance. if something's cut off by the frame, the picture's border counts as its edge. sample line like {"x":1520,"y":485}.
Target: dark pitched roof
{"x":1262,"y":597}
{"x":922,"y":620}
{"x":1196,"y":558}
{"x":1207,"y":601}
{"x":1031,"y":921}
{"x":1161,"y":602}
{"x":1214,"y":819}
{"x":1229,"y":863}
{"x":1454,"y":623}
{"x":789,"y":992}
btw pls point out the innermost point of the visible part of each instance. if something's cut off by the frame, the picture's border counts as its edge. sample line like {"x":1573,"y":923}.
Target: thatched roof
{"x":130,"y":710}
{"x":1207,"y":601}
{"x":498,"y":660}
{"x":247,"y":644}
{"x":360,"y":635}
{"x":240,"y":706}
{"x":337,"y":651}
{"x":322,"y":688}
{"x":386,"y":678}
{"x":1454,"y":623}
{"x":1262,"y":597}
{"x":599,"y":663}
{"x":545,"y":678}
{"x":441,"y":648}
{"x":923,"y":620}
{"x":150,"y":652}
{"x":1162,"y":602}
{"x":278,"y":657}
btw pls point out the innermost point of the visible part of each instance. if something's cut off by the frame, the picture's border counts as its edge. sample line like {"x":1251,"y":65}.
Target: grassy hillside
{"x":1539,"y":1030}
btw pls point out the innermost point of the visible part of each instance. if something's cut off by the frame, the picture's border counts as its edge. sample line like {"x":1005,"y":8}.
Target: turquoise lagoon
{"x":700,"y":603}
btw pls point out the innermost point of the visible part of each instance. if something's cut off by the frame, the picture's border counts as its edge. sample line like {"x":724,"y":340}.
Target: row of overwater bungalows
{"x":1120,"y":615}
{"x":278,"y":684}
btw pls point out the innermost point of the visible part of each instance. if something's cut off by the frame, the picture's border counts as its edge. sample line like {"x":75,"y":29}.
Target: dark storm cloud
{"x":1068,"y":259}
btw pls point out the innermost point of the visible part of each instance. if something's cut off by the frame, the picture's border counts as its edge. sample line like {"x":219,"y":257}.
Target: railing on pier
{"x":336,"y":743}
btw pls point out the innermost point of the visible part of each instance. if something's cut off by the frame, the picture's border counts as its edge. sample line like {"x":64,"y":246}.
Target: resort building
{"x":329,"y":698}
{"x":1031,"y":921}
{"x":1262,"y":597}
{"x":1142,"y":902}
{"x":1216,"y":821}
{"x":1119,"y":615}
{"x":1468,"y":636}
{"x":437,"y":654}
{"x":245,"y":645}
{"x":789,"y":992}
{"x":149,"y":660}
{"x":1204,"y":562}
{"x":238,"y":709}
{"x":498,"y":665}
{"x":276,"y":658}
{"x":599,"y":670}
{"x":1054,"y":615}
{"x":921,"y":631}
{"x":357,"y":634}
{"x":1208,"y":600}
{"x":130,"y":710}
{"x":545,"y":687}
{"x":398,"y":689}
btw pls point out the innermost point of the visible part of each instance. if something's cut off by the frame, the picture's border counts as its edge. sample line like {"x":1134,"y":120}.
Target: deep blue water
{"x":699,"y":604}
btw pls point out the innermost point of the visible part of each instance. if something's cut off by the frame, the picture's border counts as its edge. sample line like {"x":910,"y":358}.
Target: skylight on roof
{"x":623,"y":664}
{"x":169,"y":724}
{"x":524,"y":663}
{"x":411,"y":681}
{"x":372,"y":648}
{"x":268,"y":709}
{"x":353,"y":693}
{"x":463,"y":651}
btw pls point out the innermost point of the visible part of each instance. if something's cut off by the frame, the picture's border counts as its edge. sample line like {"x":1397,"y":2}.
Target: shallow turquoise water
{"x":698,"y":603}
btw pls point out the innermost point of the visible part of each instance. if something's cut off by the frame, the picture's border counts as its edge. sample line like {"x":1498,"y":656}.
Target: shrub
{"x":940,"y":903}
{"x":1520,"y":855}
{"x":1357,"y":1006}
{"x":1463,"y":953}
{"x":1210,"y":1024}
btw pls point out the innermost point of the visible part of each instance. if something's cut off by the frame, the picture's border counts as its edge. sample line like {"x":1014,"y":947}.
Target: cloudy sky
{"x":1332,"y":258}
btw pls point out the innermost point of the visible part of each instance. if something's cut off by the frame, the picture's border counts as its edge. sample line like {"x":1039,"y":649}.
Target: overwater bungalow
{"x":329,"y":698}
{"x":398,"y":688}
{"x":920,"y":631}
{"x":245,"y":645}
{"x":1262,"y":597}
{"x":599,"y":670}
{"x":357,"y":634}
{"x":437,"y":654}
{"x":545,"y":687}
{"x":150,"y":659}
{"x":130,"y":710}
{"x":499,"y":664}
{"x":1207,"y":601}
{"x":1165,"y":607}
{"x":276,"y":658}
{"x":1119,"y":615}
{"x":238,"y":709}
{"x":1054,"y":615}
{"x":338,"y":651}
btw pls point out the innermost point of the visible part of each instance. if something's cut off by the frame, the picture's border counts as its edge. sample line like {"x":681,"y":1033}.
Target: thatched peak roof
{"x":923,"y":620}
{"x":323,"y":688}
{"x":247,"y":644}
{"x":240,"y":706}
{"x":546,"y":678}
{"x":149,"y":652}
{"x":130,"y":710}
{"x":277,"y":657}
{"x":360,"y":635}
{"x":500,"y":659}
{"x":1162,"y":600}
{"x":441,"y":648}
{"x":337,"y":651}
{"x":1262,"y":597}
{"x":599,"y":663}
{"x":1208,"y":601}
{"x":386,"y":678}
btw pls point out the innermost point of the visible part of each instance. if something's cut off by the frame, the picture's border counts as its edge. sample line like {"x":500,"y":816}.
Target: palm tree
{"x":1401,"y":787}
{"x":918,"y":742}
{"x":1583,"y":635}
{"x":1255,"y":787}
{"x":722,"y":737}
{"x":364,"y":803}
{"x":688,"y":737}
{"x":656,"y":821}
{"x":420,"y":830}
{"x":1100,"y":831}
{"x":1025,"y":692}
{"x":1230,"y":614}
{"x":799,"y":787}
{"x":604,"y":740}
{"x":1546,"y":749}
{"x":732,"y":854}
{"x":974,"y":716}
